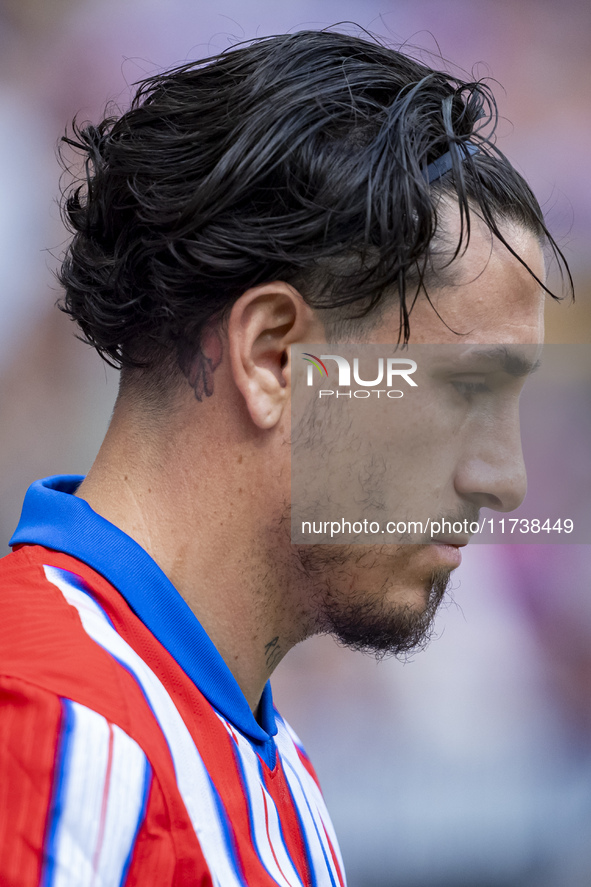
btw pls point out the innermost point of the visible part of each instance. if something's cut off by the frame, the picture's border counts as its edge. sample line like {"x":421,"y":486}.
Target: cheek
{"x":422,"y":456}
{"x":381,"y":570}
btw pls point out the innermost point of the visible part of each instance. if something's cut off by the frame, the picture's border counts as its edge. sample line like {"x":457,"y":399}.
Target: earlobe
{"x":263,"y":323}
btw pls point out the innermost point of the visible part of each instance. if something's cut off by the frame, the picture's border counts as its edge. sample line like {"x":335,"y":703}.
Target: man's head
{"x":299,"y":158}
{"x":283,"y":192}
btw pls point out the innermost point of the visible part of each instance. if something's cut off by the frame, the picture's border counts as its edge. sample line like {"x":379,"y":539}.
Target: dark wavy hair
{"x":299,"y":157}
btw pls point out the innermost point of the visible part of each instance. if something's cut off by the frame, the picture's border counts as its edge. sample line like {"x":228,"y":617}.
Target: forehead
{"x":485,"y":295}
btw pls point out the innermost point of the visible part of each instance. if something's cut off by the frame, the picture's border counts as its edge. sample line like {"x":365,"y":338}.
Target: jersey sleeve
{"x":73,"y":791}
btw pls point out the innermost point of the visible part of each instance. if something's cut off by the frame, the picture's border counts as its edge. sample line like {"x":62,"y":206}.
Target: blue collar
{"x":56,"y":519}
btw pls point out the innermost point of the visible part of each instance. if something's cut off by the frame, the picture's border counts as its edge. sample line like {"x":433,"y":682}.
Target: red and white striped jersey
{"x":128,"y":753}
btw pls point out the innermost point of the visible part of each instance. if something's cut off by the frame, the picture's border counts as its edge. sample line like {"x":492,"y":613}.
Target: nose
{"x":491,"y":472}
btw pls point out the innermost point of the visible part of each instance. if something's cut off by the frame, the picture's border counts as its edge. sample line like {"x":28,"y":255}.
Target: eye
{"x":470,"y":388}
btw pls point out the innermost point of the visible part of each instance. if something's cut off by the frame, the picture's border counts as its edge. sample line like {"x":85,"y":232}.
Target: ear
{"x":263,"y":323}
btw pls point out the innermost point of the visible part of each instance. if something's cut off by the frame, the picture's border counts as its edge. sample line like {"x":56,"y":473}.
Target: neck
{"x":193,"y":503}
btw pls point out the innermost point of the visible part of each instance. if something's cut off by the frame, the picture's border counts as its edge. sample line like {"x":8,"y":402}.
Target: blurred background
{"x":469,"y":766}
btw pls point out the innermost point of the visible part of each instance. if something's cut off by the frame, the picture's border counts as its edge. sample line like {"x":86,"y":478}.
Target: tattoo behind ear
{"x":204,"y":362}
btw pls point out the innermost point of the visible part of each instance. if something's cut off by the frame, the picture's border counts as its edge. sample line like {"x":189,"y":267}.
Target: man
{"x":313,"y":187}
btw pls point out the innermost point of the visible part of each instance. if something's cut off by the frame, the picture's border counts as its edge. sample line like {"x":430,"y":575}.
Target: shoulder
{"x":43,"y":644}
{"x":80,"y":797}
{"x":82,"y":757}
{"x":42,"y":640}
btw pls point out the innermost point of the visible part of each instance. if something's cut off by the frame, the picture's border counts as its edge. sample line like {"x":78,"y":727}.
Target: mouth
{"x":447,"y":552}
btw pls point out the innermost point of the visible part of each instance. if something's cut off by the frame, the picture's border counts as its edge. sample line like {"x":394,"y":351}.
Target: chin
{"x":377,"y":599}
{"x":386,"y":625}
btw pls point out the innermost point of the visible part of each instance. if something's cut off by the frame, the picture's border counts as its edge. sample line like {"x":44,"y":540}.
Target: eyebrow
{"x":510,"y":361}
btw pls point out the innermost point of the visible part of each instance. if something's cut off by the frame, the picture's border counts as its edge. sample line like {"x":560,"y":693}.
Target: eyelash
{"x":467,"y":389}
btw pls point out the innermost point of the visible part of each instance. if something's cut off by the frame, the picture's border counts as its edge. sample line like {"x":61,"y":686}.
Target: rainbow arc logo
{"x":315,"y":361}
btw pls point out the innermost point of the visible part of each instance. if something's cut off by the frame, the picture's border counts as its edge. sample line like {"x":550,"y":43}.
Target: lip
{"x":459,"y":540}
{"x":448,"y":553}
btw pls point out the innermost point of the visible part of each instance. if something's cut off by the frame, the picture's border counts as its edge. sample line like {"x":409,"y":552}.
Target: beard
{"x":375,"y":627}
{"x":364,"y":620}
